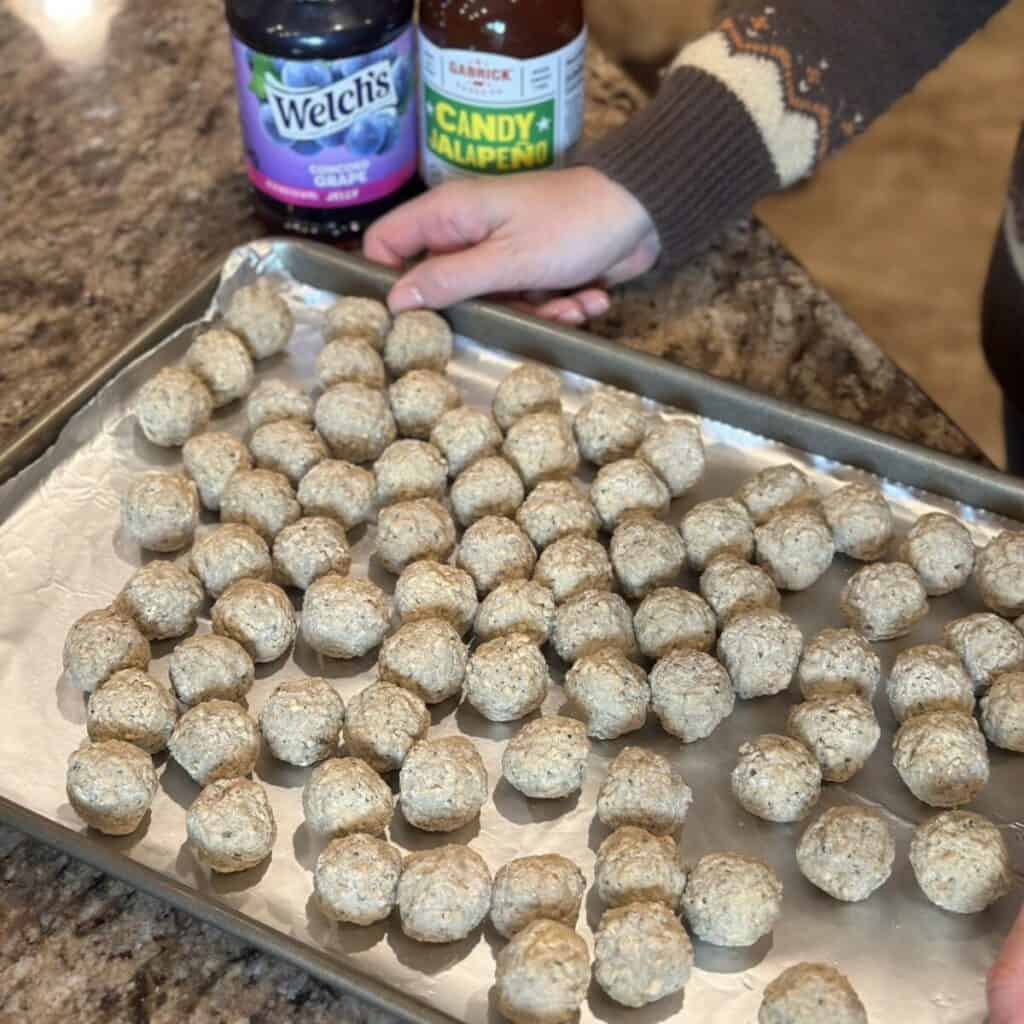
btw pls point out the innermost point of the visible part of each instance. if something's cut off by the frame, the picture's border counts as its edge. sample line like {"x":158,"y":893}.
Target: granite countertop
{"x":122,"y":179}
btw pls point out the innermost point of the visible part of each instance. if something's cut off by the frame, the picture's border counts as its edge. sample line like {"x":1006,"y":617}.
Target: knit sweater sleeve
{"x":757,"y":103}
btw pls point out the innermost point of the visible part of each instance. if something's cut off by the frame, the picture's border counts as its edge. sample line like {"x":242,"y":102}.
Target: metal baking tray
{"x":61,"y":554}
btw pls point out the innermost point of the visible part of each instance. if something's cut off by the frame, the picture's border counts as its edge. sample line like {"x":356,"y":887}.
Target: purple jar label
{"x":328,"y":134}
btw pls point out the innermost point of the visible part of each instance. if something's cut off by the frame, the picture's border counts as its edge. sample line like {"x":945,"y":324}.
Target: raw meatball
{"x":210,"y":667}
{"x":382,"y":724}
{"x":345,"y":616}
{"x":626,"y":486}
{"x":847,"y":852}
{"x":731,"y":585}
{"x":731,"y":900}
{"x":222,"y":362}
{"x":262,"y":499}
{"x":795,"y":548}
{"x":691,"y":694}
{"x":572,"y":565}
{"x":940,"y":550}
{"x":355,"y":421}
{"x":541,"y":447}
{"x":350,"y":360}
{"x":839,"y":661}
{"x":1002,"y":712}
{"x":430,"y":590}
{"x":641,"y":954}
{"x":231,"y":826}
{"x":228,"y":554}
{"x":670,"y":618}
{"x":160,"y":511}
{"x":642,"y":789}
{"x":634,"y":865}
{"x":519,"y":606}
{"x":215,"y":740}
{"x":941,"y":757}
{"x":929,"y":678}
{"x":426,"y":657}
{"x":507,"y":678}
{"x":356,"y":879}
{"x":408,"y":470}
{"x":443,"y":893}
{"x":884,"y":600}
{"x":99,"y":644}
{"x":413,"y":531}
{"x":839,"y":729}
{"x":999,"y":574}
{"x":464,"y":435}
{"x":646,"y":553}
{"x":418,"y":340}
{"x":210,"y":459}
{"x":527,"y":389}
{"x":760,"y":650}
{"x":133,"y":707}
{"x":556,"y":509}
{"x":542,"y":975}
{"x":110,"y":785}
{"x":776,"y":778}
{"x":309,"y":549}
{"x":259,"y":616}
{"x":608,"y":427}
{"x":260,"y":315}
{"x":861,"y":521}
{"x":301,"y":721}
{"x":339,"y":490}
{"x":721,"y":526}
{"x":490,"y":487}
{"x":609,"y":693}
{"x":547,"y":758}
{"x":353,"y":316}
{"x":277,"y":400}
{"x":545,"y":887}
{"x":345,"y":795}
{"x":675,"y":451}
{"x":172,"y":406}
{"x":287,"y":447}
{"x":590,"y":622}
{"x":809,"y":993}
{"x":775,"y":489}
{"x":493,"y":551}
{"x":443,"y":784}
{"x":419,"y":400}
{"x":961,"y":861}
{"x":987,"y":645}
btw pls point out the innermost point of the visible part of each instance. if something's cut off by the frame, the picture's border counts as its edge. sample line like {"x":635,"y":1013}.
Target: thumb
{"x":446,"y":279}
{"x":1006,"y":979}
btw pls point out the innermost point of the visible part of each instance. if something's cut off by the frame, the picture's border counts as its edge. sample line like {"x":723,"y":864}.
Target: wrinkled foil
{"x":62,"y":553}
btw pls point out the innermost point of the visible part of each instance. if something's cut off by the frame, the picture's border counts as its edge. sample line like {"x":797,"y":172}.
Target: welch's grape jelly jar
{"x":326,"y":96}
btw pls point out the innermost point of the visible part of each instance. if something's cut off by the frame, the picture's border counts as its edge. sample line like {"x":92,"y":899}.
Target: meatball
{"x":777,"y":488}
{"x":572,"y":565}
{"x":443,"y":784}
{"x":160,"y":511}
{"x":259,"y":616}
{"x":309,"y":549}
{"x":526,"y":390}
{"x":555,"y":509}
{"x":419,"y":400}
{"x":941,"y":757}
{"x":133,"y":707}
{"x":410,"y":469}
{"x":259,"y":314}
{"x":110,"y":785}
{"x":940,"y":550}
{"x":608,"y":427}
{"x":493,"y":551}
{"x":354,"y":316}
{"x":776,"y":778}
{"x":884,"y":600}
{"x":301,"y":721}
{"x":288,"y":447}
{"x":418,"y":340}
{"x":547,"y":758}
{"x":222,"y":362}
{"x":277,"y":400}
{"x":541,"y":447}
{"x":721,"y":526}
{"x":795,"y":548}
{"x":731,"y":900}
{"x":675,"y":451}
{"x":443,"y":893}
{"x":839,"y":661}
{"x":808,"y":993}
{"x":519,"y":606}
{"x":426,"y":657}
{"x":999,"y":573}
{"x":691,"y":694}
{"x":344,"y":795}
{"x":545,"y":887}
{"x":760,"y":649}
{"x":590,"y":622}
{"x":928,"y":678}
{"x":1002,"y":712}
{"x":731,"y":585}
{"x":609,"y":693}
{"x":215,"y":740}
{"x":210,"y":667}
{"x":507,"y":678}
{"x":861,"y":521}
{"x":262,"y":499}
{"x":646,"y":553}
{"x":355,"y":421}
{"x":463,"y":435}
{"x":847,"y":852}
{"x":430,"y":590}
{"x":350,"y":360}
{"x":172,"y":406}
{"x":382,"y":724}
{"x":642,"y":789}
{"x":633,"y":865}
{"x":669,"y":618}
{"x":231,"y":826}
{"x":229,"y":554}
{"x":339,"y":490}
{"x":210,"y":459}
{"x":839,"y":729}
{"x":345,"y":616}
{"x":99,"y":644}
{"x":961,"y":862}
{"x":489,"y":487}
{"x":356,"y":879}
{"x":412,"y":531}
{"x":987,"y":645}
{"x":627,"y":486}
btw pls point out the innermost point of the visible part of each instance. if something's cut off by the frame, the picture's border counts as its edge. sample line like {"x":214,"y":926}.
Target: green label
{"x":490,"y":140}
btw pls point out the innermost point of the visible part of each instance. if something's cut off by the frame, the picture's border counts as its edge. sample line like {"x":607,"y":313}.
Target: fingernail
{"x":572,"y":316}
{"x":599,"y":306}
{"x":405,"y":297}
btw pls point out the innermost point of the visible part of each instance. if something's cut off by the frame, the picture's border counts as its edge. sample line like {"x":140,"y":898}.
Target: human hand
{"x":548,"y":230}
{"x":1006,"y":979}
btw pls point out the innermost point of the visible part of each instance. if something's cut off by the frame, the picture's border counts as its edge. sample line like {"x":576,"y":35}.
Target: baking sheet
{"x":61,"y":553}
